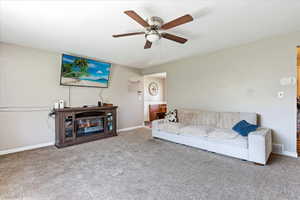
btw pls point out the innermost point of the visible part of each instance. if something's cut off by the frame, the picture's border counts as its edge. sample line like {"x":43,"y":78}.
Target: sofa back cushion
{"x":226,"y":120}
{"x":197,"y":117}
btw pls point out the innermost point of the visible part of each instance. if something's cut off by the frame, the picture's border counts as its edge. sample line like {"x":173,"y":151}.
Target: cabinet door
{"x":109,"y":121}
{"x":115,"y":121}
{"x":68,"y":127}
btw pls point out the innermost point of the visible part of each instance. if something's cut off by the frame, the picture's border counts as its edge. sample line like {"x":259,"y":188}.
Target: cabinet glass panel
{"x":109,"y":118}
{"x":68,"y":120}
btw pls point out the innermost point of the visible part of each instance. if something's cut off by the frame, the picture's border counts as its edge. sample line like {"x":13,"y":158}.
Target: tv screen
{"x":84,"y":72}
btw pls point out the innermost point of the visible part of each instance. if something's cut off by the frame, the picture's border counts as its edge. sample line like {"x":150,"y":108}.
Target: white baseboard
{"x":287,"y":153}
{"x":18,"y":149}
{"x":130,"y":128}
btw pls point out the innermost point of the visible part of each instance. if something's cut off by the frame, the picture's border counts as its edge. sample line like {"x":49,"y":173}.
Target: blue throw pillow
{"x":244,"y":128}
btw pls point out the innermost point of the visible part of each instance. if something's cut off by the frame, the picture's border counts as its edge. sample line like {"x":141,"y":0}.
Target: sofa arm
{"x":260,"y":145}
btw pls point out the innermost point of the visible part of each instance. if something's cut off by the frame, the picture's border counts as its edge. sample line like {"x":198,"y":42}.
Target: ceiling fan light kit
{"x":152,"y":35}
{"x":153,"y":26}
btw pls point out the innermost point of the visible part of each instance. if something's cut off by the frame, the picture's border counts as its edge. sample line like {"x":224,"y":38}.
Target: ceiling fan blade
{"x":176,"y":22}
{"x":128,"y":34}
{"x":174,"y":38}
{"x":148,"y":45}
{"x":137,"y":18}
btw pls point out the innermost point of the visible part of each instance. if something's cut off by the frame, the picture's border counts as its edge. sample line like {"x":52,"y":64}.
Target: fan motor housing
{"x":155,"y":22}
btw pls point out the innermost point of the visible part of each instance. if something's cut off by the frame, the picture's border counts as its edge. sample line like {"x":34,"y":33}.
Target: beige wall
{"x":149,"y":99}
{"x":29,"y":85}
{"x":244,"y":79}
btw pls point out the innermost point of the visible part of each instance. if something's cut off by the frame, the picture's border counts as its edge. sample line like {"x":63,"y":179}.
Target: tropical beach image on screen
{"x":77,"y":71}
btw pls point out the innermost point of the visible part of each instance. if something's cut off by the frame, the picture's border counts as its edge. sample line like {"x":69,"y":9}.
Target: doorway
{"x":155,"y":102}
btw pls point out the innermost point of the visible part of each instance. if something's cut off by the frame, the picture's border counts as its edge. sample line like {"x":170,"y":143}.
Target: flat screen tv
{"x":84,"y":72}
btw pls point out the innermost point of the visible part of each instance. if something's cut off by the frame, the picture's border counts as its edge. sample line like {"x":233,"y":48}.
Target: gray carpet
{"x":134,"y":166}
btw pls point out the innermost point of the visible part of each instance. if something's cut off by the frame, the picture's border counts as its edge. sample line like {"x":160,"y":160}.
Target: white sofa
{"x":212,"y":131}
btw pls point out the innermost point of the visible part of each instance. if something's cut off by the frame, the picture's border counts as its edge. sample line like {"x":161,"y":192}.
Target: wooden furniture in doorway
{"x":157,"y":111}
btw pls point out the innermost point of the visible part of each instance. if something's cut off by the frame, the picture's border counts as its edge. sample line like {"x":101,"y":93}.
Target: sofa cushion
{"x":244,"y":128}
{"x":227,"y":119}
{"x":197,"y":117}
{"x":201,"y":131}
{"x":170,"y":127}
{"x":223,"y":120}
{"x":249,"y":117}
{"x":222,"y":134}
{"x":238,"y":142}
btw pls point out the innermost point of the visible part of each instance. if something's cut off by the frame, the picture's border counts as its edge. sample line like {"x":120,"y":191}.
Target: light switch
{"x":285,"y":81}
{"x":293,"y":80}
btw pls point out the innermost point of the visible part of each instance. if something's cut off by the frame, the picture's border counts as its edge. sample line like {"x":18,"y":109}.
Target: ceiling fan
{"x":153,"y":27}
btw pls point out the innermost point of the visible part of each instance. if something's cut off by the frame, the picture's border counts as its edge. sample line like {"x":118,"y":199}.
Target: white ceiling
{"x":85,"y":27}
